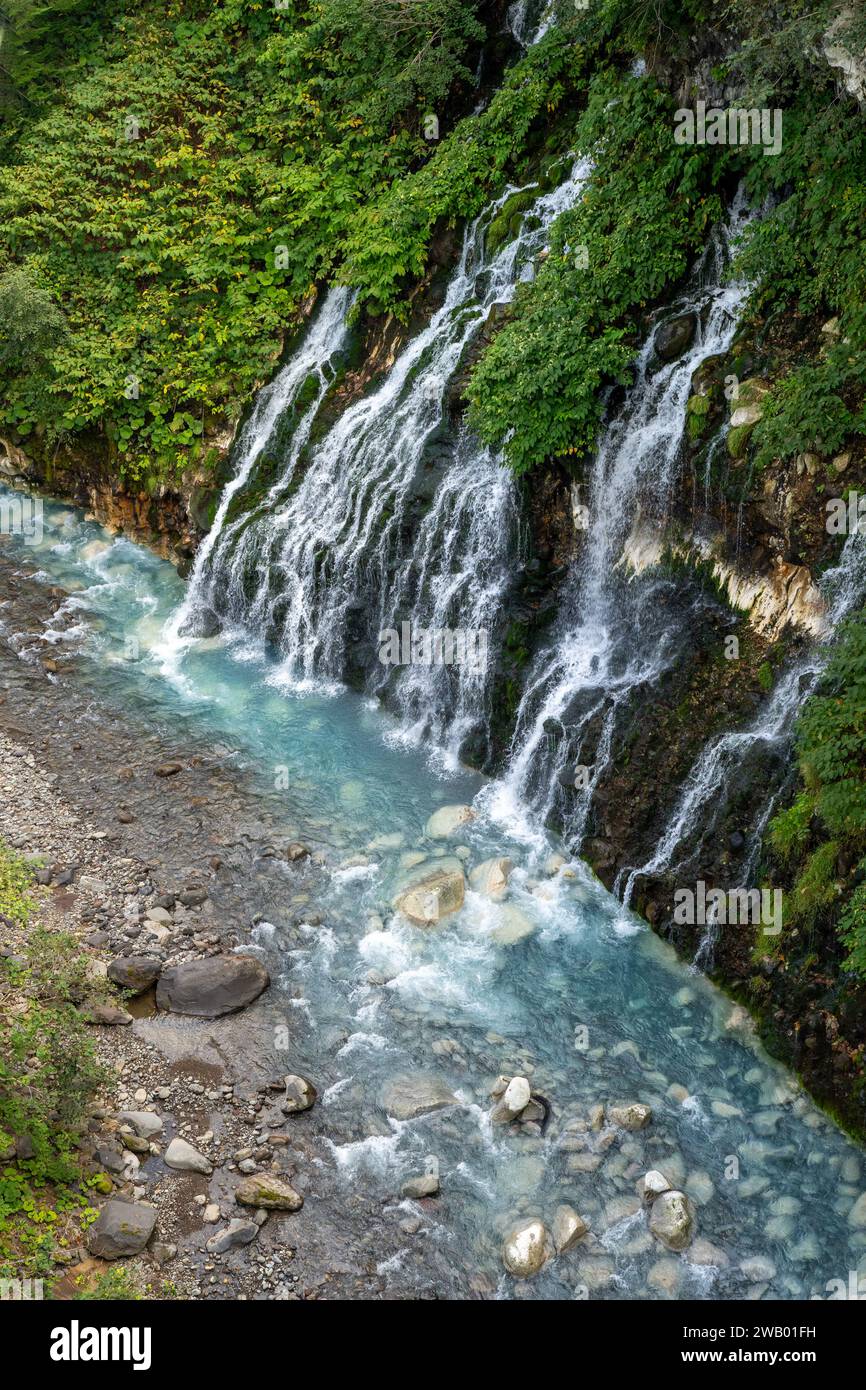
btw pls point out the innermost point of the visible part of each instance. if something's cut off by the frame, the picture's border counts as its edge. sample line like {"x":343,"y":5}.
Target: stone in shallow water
{"x":652,"y":1185}
{"x":415,"y":1093}
{"x":446,"y":820}
{"x":664,"y":1276}
{"x":633,"y":1116}
{"x":525,"y":1249}
{"x":237,"y":1232}
{"x":758,"y":1269}
{"x":436,"y":895}
{"x":300,"y":1095}
{"x":491,"y":877}
{"x":514,"y":926}
{"x":185,"y":1159}
{"x":857,"y":1214}
{"x":672,"y":1220}
{"x":213,"y":987}
{"x":568,"y":1228}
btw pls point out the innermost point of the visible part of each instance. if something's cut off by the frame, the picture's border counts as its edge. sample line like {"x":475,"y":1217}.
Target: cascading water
{"x":329,"y":561}
{"x":765,"y":741}
{"x":313,"y":359}
{"x":609,"y":643}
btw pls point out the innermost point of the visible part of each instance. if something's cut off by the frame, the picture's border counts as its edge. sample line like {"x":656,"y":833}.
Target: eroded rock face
{"x":672,"y":1220}
{"x":526,"y":1249}
{"x":434,"y":896}
{"x":213,"y":987}
{"x":121,"y":1230}
{"x":269,"y":1192}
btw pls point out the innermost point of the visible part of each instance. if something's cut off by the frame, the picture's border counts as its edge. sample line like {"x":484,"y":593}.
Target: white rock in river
{"x":446,"y":820}
{"x":857,"y":1214}
{"x":526,"y":1249}
{"x":672,"y":1220}
{"x":758,"y":1269}
{"x":652,"y":1185}
{"x":514,"y":926}
{"x":515,"y":1098}
{"x":183,"y":1157}
{"x":436,"y":895}
{"x":568,"y":1228}
{"x":632,"y":1117}
{"x":491,"y":877}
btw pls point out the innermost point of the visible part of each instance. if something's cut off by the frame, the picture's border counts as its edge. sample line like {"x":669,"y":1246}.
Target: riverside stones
{"x":672,"y":1220}
{"x":408,"y":1096}
{"x":144,"y":1122}
{"x":237,"y":1232}
{"x":652,"y":1185}
{"x":121,"y":1230}
{"x":568,"y":1228}
{"x":268,"y":1192}
{"x":526,"y":1249}
{"x":185,"y":1159}
{"x":434,"y":896}
{"x":213,"y":987}
{"x":135,"y":973}
{"x":632,"y":1117}
{"x":515,"y":1099}
{"x":490,"y":878}
{"x":300,"y":1095}
{"x":447,"y":820}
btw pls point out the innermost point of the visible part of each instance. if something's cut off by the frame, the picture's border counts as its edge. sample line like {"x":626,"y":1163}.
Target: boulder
{"x":185,"y":1159}
{"x":144,"y":1122}
{"x":237,"y":1232}
{"x":413,"y":1094}
{"x":633,"y":1116}
{"x":491,"y":878}
{"x":514,"y":926}
{"x":568,"y":1228}
{"x":436,"y":895}
{"x":652,"y":1185}
{"x":426,"y":1185}
{"x":526,"y":1249}
{"x":515,"y":1098}
{"x":135,"y":973}
{"x":673,"y":337}
{"x":121,"y":1230}
{"x":268,"y":1192}
{"x":212,"y":987}
{"x":300,"y":1095}
{"x":447,"y":820}
{"x":672,"y":1220}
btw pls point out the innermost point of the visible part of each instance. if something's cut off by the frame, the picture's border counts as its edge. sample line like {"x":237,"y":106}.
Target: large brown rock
{"x":212,"y":987}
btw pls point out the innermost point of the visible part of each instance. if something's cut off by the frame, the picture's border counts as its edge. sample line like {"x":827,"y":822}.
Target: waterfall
{"x":610,"y":642}
{"x":320,"y":345}
{"x":331,"y":559}
{"x":767,"y":737}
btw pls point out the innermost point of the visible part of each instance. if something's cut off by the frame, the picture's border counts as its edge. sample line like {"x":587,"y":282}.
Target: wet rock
{"x":447,"y":820}
{"x":135,"y":973}
{"x":426,"y":1185}
{"x":857,"y":1214}
{"x":652,"y":1185}
{"x":568,"y":1228}
{"x":269,"y":1192}
{"x":168,"y":769}
{"x":633,"y":1116}
{"x":515,"y":926}
{"x":664,"y":1277}
{"x":300,"y":1095}
{"x":673,"y":337}
{"x":702,"y":1252}
{"x":121,"y":1230}
{"x":434,"y":896}
{"x":237,"y":1232}
{"x":515,"y":1098}
{"x":213,"y":987}
{"x":183,"y":1157}
{"x":758,"y":1269}
{"x":407,"y":1096}
{"x":526,"y":1249}
{"x":491,"y":878}
{"x":672,"y":1220}
{"x":296,"y":851}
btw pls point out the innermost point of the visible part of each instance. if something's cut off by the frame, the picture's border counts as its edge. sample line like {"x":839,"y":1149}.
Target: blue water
{"x":587,"y":1002}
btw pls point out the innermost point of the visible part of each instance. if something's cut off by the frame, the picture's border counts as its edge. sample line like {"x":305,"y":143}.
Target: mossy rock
{"x":506,"y":223}
{"x":697,"y":411}
{"x":738,"y":440}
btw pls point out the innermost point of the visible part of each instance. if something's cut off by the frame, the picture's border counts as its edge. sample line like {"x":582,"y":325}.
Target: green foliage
{"x":852,"y":929}
{"x":117,"y":1284}
{"x":16,"y":876}
{"x":790,"y":829}
{"x":833,"y":737}
{"x":648,"y":207}
{"x":195,"y":173}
